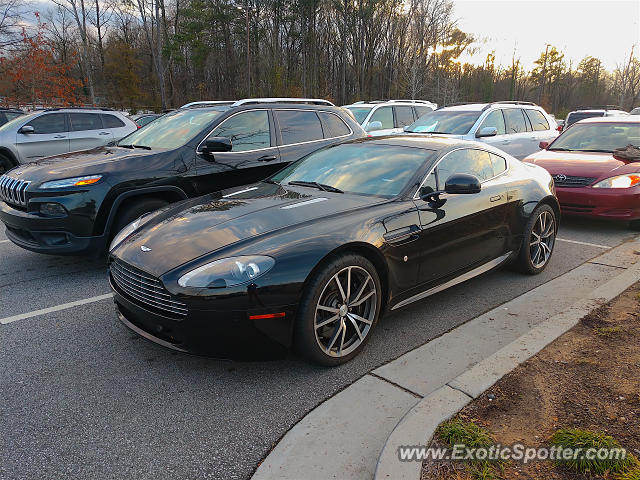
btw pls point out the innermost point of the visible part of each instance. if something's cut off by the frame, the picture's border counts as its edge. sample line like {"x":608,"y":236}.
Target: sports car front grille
{"x":145,"y":290}
{"x":13,"y":190}
{"x":571,"y":181}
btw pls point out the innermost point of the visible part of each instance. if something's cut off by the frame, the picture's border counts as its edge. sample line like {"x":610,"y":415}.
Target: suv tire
{"x":133,"y":210}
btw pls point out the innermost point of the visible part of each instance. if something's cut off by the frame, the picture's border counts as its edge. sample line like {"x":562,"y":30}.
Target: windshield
{"x":598,"y":137}
{"x":171,"y":130}
{"x":361,"y":168}
{"x":18,"y":120}
{"x":452,"y":122}
{"x":360,"y":113}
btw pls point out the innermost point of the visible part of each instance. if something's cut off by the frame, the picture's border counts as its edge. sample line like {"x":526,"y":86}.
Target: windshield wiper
{"x":321,"y":186}
{"x":597,"y":150}
{"x":560,"y":149}
{"x":132,"y":146}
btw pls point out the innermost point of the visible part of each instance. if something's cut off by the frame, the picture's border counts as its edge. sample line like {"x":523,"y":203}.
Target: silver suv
{"x":512,"y":126}
{"x":53,"y":131}
{"x":386,"y":117}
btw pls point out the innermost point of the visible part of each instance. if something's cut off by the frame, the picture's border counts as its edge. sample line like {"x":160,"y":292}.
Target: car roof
{"x":428,"y":142}
{"x":620,"y":119}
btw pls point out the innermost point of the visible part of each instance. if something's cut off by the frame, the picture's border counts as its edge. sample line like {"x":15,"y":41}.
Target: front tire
{"x":5,"y":164}
{"x":133,"y":211}
{"x":339,"y":309}
{"x":538,"y":241}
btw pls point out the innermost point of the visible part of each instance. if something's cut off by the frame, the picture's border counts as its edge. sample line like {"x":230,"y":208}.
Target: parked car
{"x":142,"y":119}
{"x":8,"y":114}
{"x":593,"y":111}
{"x":55,"y":131}
{"x":590,"y":180}
{"x":74,"y":203}
{"x":385,"y":117}
{"x":312,"y":256}
{"x":635,"y":111}
{"x":514,"y":127}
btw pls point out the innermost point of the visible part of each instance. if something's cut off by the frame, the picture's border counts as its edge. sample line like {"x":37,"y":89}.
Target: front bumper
{"x":609,"y":203}
{"x":218,"y":333}
{"x":47,"y":235}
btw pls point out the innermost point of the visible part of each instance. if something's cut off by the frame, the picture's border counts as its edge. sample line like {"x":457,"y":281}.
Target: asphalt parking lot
{"x":83,"y":397}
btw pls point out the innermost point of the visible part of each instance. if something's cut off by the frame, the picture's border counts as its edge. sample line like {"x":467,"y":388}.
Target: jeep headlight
{"x":228,"y":272}
{"x":71,"y":182}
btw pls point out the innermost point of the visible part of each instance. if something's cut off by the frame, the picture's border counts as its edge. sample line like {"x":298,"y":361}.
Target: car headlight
{"x":620,"y":181}
{"x":129,"y":229}
{"x":228,"y":272}
{"x":72,"y":182}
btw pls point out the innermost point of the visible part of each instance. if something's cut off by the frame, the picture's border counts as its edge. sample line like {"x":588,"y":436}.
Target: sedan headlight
{"x":620,"y":181}
{"x":228,"y":272}
{"x":72,"y":182}
{"x":129,"y":229}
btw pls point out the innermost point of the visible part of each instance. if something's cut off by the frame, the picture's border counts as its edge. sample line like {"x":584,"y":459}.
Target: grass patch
{"x":574,"y":438}
{"x":632,"y":473}
{"x":608,"y":331}
{"x":471,"y":435}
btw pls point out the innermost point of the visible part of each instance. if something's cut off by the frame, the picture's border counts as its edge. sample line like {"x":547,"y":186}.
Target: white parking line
{"x":57,"y":308}
{"x":596,"y":245}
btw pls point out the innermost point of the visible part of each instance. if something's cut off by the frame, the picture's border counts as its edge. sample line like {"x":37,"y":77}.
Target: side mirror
{"x":373,"y":126}
{"x":543,"y":145}
{"x":487,"y":132}
{"x":217,"y":144}
{"x":27,"y":129}
{"x":461,"y":183}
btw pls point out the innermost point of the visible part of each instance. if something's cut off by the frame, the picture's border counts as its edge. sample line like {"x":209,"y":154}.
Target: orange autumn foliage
{"x":31,"y":75}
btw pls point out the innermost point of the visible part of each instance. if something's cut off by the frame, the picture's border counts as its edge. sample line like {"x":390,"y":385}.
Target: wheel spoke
{"x":328,"y":309}
{"x":364,"y":285}
{"x":348,"y":296}
{"x":344,"y":297}
{"x":344,"y":331}
{"x":536,"y":257}
{"x":363,"y":299}
{"x":355,"y":325}
{"x":359,"y":318}
{"x":327,"y":321}
{"x":335,"y":335}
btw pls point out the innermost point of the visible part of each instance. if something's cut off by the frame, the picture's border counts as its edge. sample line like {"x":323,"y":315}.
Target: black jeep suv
{"x":75,"y":203}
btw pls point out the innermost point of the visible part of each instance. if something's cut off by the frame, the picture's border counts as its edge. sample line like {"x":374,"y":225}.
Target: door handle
{"x":495,"y":198}
{"x":60,"y":136}
{"x":103,"y":133}
{"x":267,"y":158}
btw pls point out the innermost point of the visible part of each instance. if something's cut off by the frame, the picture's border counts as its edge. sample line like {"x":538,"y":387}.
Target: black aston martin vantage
{"x":313,"y":256}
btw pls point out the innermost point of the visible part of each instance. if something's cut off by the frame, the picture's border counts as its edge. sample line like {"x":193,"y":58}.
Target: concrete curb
{"x":419,"y":425}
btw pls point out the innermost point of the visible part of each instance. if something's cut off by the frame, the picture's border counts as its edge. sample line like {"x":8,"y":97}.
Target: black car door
{"x":299,"y":132}
{"x":254,"y":155}
{"x":462,"y":231}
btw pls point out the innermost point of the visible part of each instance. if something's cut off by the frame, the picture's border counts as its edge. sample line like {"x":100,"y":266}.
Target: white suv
{"x":53,"y":131}
{"x":594,"y":111}
{"x":512,"y":126}
{"x":386,"y":117}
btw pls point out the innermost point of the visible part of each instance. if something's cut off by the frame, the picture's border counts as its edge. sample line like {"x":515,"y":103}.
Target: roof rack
{"x":455,"y":104}
{"x":87,"y":107}
{"x":599,"y":107}
{"x":207,"y":103}
{"x":426,"y":102}
{"x":312,"y":101}
{"x":515,"y":102}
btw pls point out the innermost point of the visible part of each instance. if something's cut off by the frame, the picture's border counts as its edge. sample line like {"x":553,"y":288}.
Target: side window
{"x":538,"y":120}
{"x":496,"y":120}
{"x":85,"y":121}
{"x":404,"y":116}
{"x":515,"y":120}
{"x":247,"y":130}
{"x":429,"y":185}
{"x":11,"y":115}
{"x":298,"y":126}
{"x":472,"y":162}
{"x":383,"y":115}
{"x":499,"y":164}
{"x":49,"y":123}
{"x":332,"y":125}
{"x":422,"y":110}
{"x":111,"y":121}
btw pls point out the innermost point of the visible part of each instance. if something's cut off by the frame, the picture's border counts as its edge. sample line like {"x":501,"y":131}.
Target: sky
{"x":605,"y":29}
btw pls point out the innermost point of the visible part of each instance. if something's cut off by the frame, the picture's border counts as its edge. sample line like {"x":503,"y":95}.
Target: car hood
{"x":99,"y":160}
{"x":197,"y":227}
{"x":582,"y":164}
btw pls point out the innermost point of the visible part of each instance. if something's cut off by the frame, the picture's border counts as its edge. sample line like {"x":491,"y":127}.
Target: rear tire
{"x":634,"y":225}
{"x":339,"y":309}
{"x":538,"y":241}
{"x":133,"y":211}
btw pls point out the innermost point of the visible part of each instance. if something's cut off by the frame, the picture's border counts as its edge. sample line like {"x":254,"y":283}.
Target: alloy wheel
{"x":345,"y":311}
{"x":542,"y":238}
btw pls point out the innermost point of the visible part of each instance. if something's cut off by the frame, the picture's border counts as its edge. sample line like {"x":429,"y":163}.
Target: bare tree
{"x":11,"y":14}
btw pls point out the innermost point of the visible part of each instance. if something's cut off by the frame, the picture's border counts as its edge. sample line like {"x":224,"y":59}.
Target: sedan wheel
{"x":338,"y":311}
{"x":538,"y":242}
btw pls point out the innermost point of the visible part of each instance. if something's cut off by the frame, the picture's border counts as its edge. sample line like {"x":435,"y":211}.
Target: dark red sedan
{"x":590,"y":178}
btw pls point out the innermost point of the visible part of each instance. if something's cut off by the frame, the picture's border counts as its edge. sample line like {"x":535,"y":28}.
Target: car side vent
{"x":13,"y":191}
